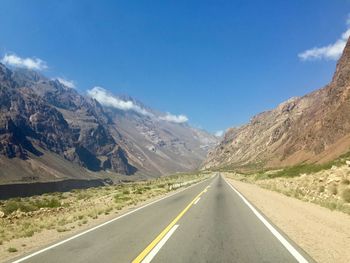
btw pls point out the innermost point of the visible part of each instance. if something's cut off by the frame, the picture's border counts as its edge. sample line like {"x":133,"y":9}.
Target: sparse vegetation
{"x":29,"y":205}
{"x":333,"y":189}
{"x":345,"y":181}
{"x":325,"y":185}
{"x":321,"y":189}
{"x":346,"y":195}
{"x":293,"y":171}
{"x":62,"y":212}
{"x":12,"y":249}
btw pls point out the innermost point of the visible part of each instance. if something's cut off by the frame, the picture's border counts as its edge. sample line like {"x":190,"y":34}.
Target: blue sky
{"x":217,"y":62}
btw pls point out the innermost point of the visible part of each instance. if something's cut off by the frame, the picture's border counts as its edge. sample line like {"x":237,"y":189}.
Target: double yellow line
{"x":149,"y":248}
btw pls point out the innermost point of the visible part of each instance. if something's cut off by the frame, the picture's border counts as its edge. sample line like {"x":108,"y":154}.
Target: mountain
{"x":51,"y":132}
{"x":314,"y":128}
{"x":157,"y":146}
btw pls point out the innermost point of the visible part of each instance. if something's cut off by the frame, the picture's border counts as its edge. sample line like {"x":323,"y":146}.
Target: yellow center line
{"x":148,"y":249}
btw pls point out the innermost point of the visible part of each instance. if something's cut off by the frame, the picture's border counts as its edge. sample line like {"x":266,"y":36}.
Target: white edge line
{"x":101,"y":225}
{"x":160,"y":244}
{"x":280,"y":238}
{"x":197,"y":201}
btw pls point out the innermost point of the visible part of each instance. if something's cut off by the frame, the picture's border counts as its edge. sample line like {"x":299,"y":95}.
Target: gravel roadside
{"x":322,"y":233}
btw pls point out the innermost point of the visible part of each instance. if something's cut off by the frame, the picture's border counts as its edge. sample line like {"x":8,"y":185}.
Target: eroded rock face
{"x":313,"y":128}
{"x":37,"y":113}
{"x":117,"y":160}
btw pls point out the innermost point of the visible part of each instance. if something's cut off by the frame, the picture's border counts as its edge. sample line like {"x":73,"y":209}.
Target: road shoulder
{"x":322,"y":233}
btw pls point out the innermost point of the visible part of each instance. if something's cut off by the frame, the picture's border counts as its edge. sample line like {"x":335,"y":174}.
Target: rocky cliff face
{"x":313,"y":128}
{"x":38,"y":115}
{"x":160,"y":147}
{"x":48,"y":128}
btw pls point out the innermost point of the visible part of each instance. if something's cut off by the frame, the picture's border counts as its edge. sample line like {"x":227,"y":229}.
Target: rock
{"x":36,"y":111}
{"x":347,"y":163}
{"x":2,"y":214}
{"x":299,"y":130}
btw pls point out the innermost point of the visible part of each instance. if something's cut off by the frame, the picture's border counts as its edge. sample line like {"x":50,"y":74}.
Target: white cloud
{"x":174,"y":118}
{"x":66,"y":82}
{"x":331,"y":52}
{"x":219,"y":133}
{"x":29,"y":63}
{"x":105,"y":98}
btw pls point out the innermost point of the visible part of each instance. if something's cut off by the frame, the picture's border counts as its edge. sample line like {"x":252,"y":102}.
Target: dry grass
{"x":63,"y":212}
{"x":329,"y":187}
{"x":346,"y":195}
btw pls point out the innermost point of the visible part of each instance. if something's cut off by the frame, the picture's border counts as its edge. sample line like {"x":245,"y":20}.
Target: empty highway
{"x":208,"y":222}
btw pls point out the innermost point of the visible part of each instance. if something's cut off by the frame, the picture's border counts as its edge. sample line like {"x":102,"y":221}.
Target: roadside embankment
{"x":322,"y":233}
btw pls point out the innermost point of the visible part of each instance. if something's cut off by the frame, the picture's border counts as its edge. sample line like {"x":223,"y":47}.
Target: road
{"x":208,"y":222}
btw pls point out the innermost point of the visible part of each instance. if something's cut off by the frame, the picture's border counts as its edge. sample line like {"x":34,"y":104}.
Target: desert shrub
{"x":301,"y":169}
{"x":84,"y":195}
{"x":139,"y":191}
{"x":321,"y":189}
{"x":333,"y":189}
{"x":126,"y":191}
{"x":48,"y":203}
{"x":62,"y":229}
{"x":345,"y":181}
{"x":121,"y":198}
{"x":331,"y":205}
{"x":14,"y":205}
{"x":28,"y":233}
{"x":12,"y":249}
{"x":346,"y":195}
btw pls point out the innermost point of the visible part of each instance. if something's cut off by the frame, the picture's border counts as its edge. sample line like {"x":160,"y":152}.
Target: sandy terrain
{"x":323,"y":234}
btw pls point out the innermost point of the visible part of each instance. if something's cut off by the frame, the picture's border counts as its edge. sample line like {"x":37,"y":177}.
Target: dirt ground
{"x":322,"y":233}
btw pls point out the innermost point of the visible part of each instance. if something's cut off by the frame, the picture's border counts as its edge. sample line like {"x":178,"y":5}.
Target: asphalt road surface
{"x":208,"y":222}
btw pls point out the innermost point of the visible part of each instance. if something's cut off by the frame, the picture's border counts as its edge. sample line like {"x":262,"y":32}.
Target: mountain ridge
{"x":313,"y":128}
{"x":49,"y":131}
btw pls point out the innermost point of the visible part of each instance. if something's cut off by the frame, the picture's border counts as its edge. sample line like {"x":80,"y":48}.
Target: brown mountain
{"x":314,"y":128}
{"x":157,"y":146}
{"x":46,"y":127}
{"x":51,"y":132}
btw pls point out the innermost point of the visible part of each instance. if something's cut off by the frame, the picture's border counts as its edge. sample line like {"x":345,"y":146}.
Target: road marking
{"x":273,"y":230}
{"x":156,"y":249}
{"x":197,"y":201}
{"x":103,"y":224}
{"x":149,"y":248}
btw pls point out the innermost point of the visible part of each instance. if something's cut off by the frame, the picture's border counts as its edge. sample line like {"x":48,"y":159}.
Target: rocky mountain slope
{"x":49,"y":131}
{"x":314,"y":128}
{"x":157,"y":146}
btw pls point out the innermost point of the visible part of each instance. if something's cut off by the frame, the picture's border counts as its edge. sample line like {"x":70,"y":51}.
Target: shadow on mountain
{"x":88,"y":159}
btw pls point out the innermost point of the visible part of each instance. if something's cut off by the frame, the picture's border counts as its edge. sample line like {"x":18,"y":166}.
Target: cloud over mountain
{"x":106,"y":99}
{"x":29,"y":63}
{"x":66,"y":82}
{"x":174,"y":118}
